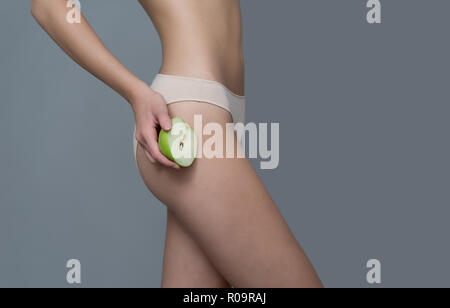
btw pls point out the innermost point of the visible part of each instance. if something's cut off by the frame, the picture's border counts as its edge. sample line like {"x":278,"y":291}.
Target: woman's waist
{"x":200,"y":60}
{"x":231,"y":78}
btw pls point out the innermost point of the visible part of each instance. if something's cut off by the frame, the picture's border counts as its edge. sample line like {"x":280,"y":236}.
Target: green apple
{"x":179,"y":144}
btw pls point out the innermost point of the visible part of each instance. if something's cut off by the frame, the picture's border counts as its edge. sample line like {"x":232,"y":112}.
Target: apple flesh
{"x":179,"y":144}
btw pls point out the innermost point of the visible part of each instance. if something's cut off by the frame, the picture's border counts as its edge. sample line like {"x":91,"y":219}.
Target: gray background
{"x":364,"y":167}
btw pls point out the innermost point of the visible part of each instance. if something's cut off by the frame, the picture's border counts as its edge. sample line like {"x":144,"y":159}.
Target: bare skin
{"x":223,"y":228}
{"x":225,"y":208}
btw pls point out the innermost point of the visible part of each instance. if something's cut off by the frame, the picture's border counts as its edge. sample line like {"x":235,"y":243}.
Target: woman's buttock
{"x":206,"y":175}
{"x":212,"y":110}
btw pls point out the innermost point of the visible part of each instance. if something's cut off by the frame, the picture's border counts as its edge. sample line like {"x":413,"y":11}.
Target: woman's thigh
{"x":226,"y":209}
{"x":185,"y":265}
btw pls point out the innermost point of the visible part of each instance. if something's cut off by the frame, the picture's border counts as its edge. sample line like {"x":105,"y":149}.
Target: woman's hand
{"x":151,"y":113}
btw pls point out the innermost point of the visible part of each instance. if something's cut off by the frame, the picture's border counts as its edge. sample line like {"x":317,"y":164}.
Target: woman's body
{"x":223,"y":227}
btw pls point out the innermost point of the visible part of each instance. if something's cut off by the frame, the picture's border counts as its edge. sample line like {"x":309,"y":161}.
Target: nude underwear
{"x":179,"y":89}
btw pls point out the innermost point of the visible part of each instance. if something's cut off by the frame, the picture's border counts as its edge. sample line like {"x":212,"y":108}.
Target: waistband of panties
{"x":178,"y":89}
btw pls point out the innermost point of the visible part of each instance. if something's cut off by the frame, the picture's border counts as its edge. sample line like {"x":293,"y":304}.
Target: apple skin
{"x":164,"y":142}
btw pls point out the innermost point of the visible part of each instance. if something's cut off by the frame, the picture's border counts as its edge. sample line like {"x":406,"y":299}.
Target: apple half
{"x":179,"y":144}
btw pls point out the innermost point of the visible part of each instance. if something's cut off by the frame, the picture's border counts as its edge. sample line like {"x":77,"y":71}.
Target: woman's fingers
{"x":148,"y":137}
{"x":146,"y":150}
{"x":150,"y":158}
{"x":164,"y":120}
{"x":152,"y":142}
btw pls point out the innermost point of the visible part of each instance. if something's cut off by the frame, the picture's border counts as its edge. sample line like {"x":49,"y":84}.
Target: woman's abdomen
{"x":204,"y":63}
{"x":200,"y":39}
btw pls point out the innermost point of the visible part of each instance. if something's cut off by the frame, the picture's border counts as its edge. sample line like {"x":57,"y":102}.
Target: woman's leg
{"x":226,"y":209}
{"x":185,"y":265}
